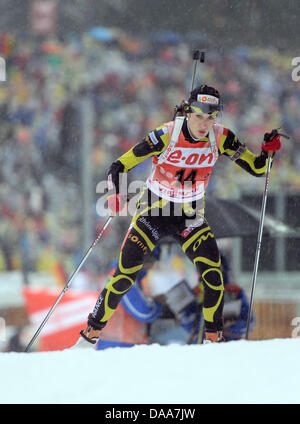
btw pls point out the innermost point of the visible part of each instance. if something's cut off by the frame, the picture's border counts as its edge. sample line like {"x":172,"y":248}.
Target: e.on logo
{"x":188,"y":158}
{"x":207,"y":99}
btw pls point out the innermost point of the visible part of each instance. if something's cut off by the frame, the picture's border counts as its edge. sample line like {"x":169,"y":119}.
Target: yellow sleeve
{"x":154,"y":144}
{"x":230,"y":145}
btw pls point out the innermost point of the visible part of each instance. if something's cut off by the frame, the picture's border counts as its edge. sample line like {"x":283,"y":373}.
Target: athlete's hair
{"x":184,"y":107}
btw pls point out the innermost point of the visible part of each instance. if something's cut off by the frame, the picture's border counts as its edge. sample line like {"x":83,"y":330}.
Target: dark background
{"x":221,"y":23}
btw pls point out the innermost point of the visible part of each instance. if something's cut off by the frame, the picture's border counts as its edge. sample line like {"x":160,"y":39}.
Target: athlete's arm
{"x":243,"y":157}
{"x":154,"y":144}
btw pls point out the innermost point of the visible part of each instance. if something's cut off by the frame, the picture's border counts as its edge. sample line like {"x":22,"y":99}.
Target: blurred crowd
{"x":132,"y":86}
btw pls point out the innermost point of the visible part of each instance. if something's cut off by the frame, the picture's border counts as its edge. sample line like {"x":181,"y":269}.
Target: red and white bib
{"x":183,"y":173}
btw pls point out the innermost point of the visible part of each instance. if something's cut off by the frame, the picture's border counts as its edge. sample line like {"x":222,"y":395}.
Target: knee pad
{"x":213,"y":278}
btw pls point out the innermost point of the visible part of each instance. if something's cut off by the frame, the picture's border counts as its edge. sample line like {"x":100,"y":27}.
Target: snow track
{"x":236,"y":372}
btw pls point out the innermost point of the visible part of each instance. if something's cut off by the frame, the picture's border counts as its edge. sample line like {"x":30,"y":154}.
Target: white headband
{"x":208,"y":99}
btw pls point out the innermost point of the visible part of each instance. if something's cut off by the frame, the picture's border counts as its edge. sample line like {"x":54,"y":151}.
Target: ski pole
{"x":197,"y":56}
{"x":259,"y":238}
{"x":69,"y":283}
{"x":260,"y":231}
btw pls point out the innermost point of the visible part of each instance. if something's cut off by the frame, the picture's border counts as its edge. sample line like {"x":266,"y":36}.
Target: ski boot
{"x":90,"y":335}
{"x":213,"y":337}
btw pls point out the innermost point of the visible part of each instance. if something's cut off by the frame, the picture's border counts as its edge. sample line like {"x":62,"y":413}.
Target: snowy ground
{"x":235,"y":372}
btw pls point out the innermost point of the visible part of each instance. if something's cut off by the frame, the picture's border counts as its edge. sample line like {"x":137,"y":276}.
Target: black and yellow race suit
{"x":155,"y":218}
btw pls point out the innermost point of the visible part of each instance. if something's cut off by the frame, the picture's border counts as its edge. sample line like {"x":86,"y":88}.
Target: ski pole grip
{"x":196,"y":55}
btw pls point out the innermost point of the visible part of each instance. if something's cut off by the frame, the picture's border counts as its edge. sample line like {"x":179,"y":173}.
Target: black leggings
{"x":152,"y":221}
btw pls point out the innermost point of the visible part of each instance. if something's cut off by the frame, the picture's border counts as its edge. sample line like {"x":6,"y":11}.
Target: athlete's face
{"x":200,"y":125}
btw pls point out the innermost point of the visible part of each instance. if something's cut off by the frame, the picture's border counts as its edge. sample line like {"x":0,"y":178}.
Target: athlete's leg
{"x":143,"y":234}
{"x":201,"y":248}
{"x":138,"y":243}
